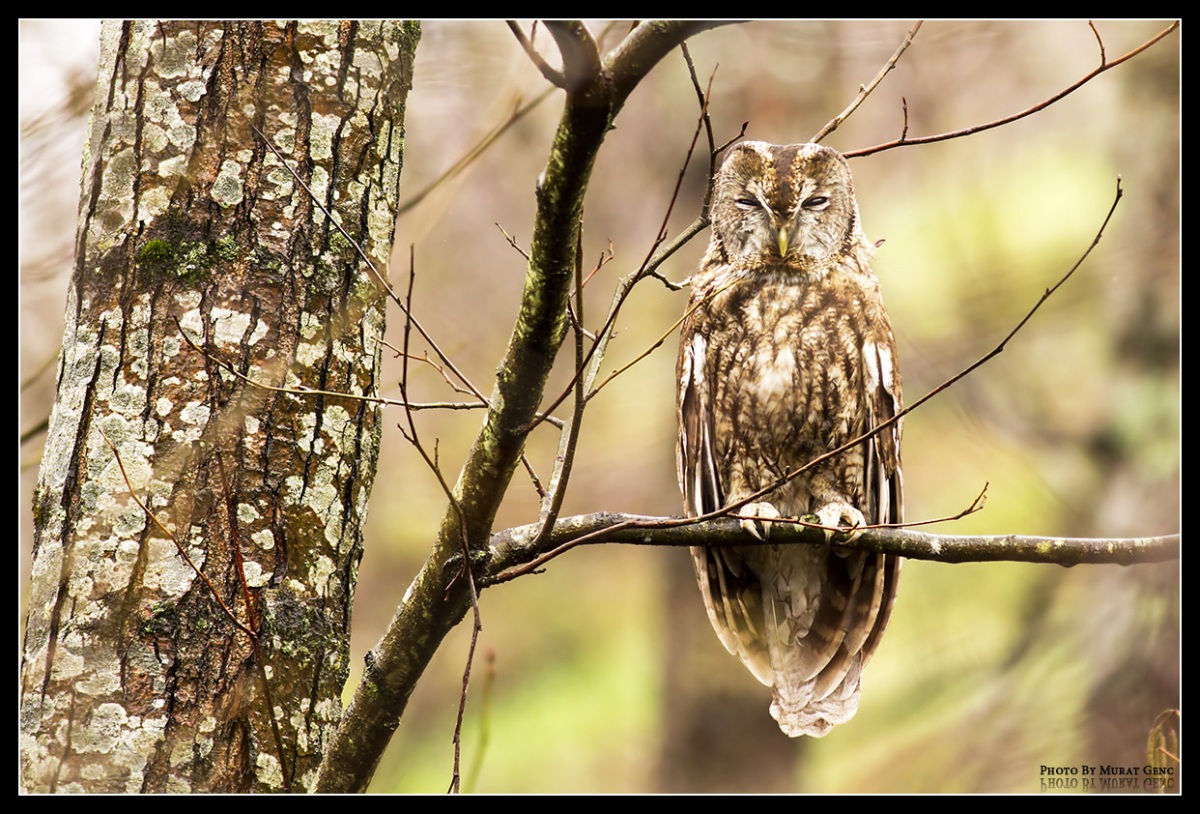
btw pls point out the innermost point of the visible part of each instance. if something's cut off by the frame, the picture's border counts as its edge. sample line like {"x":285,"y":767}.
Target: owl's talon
{"x":844,"y":517}
{"x":758,"y":511}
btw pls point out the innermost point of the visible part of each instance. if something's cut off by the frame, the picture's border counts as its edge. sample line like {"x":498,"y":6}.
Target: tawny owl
{"x":786,"y":353}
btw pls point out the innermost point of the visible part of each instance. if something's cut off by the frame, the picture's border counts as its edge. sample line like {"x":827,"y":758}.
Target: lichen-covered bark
{"x":191,"y":230}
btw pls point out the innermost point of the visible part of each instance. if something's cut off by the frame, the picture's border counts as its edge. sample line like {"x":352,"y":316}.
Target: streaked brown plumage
{"x":786,"y":353}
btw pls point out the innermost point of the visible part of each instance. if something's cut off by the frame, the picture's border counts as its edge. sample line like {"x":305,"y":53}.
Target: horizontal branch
{"x":512,"y":554}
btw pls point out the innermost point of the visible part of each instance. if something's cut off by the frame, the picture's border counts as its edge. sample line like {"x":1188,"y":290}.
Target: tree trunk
{"x":190,"y":611}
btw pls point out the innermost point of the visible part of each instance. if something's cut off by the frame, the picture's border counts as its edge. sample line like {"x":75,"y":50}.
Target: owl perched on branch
{"x":785,"y":354}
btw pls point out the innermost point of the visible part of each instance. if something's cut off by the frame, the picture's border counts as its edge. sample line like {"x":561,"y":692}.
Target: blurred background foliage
{"x":602,"y":674}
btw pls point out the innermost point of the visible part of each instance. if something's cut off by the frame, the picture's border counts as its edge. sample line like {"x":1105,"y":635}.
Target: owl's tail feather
{"x":798,"y":712}
{"x":817,"y":669}
{"x":810,"y":696}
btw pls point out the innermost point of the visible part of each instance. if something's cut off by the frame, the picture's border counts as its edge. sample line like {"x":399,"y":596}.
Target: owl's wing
{"x":696,"y":461}
{"x":732,"y":594}
{"x":884,"y":487}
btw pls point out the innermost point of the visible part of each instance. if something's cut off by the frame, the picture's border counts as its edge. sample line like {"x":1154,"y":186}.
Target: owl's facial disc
{"x":791,"y":204}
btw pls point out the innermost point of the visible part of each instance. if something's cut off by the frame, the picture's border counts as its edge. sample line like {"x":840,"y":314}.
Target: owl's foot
{"x":760,"y":528}
{"x":841,"y":516}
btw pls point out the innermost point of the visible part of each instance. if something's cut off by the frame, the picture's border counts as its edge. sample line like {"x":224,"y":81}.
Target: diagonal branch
{"x":519,"y":112}
{"x":438,"y":599}
{"x":979,"y":128}
{"x":883,"y":425}
{"x":553,"y":76}
{"x":865,"y":90}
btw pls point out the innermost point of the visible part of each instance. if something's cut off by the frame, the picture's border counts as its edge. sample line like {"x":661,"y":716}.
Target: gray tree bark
{"x":197,"y":535}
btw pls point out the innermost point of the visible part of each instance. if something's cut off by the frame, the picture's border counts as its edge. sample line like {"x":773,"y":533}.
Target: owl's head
{"x":791,"y":202}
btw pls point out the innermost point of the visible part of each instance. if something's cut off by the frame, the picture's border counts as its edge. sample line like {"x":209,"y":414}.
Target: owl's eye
{"x":747,"y":203}
{"x":817,"y":202}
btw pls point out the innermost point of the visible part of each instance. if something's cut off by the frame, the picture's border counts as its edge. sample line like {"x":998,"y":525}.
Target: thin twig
{"x":512,"y":241}
{"x":702,"y":97}
{"x":552,"y":504}
{"x":865,"y":91}
{"x":595,"y":354}
{"x":537,"y":484}
{"x":445,"y":375}
{"x":379,"y":277}
{"x":415,"y":406}
{"x":975,"y":506}
{"x":662,"y":338}
{"x":1099,"y":40}
{"x":979,"y":128}
{"x":603,"y":260}
{"x":741,"y":135}
{"x":178,"y":545}
{"x":553,"y":76}
{"x":413,"y":438}
{"x":485,"y":717}
{"x":477,"y":150}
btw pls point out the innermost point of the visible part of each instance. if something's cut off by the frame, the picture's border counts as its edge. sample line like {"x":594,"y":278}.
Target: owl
{"x":786,"y":353}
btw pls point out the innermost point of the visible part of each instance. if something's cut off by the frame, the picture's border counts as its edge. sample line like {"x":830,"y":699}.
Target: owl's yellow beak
{"x":783,"y":241}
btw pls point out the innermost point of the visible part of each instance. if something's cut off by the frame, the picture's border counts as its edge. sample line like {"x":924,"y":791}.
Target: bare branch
{"x":552,"y":76}
{"x":979,"y":128}
{"x":702,"y":97}
{"x":1099,"y":40}
{"x":580,"y":54}
{"x":512,"y":241}
{"x":537,"y":484}
{"x":662,"y":338}
{"x":308,"y":392}
{"x":178,"y":545}
{"x":646,"y":44}
{"x":485,"y":716}
{"x":595,"y":355}
{"x":865,"y":91}
{"x":380,"y":278}
{"x":511,"y":555}
{"x":432,"y":463}
{"x":603,"y":260}
{"x":477,"y":150}
{"x":552,"y":503}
